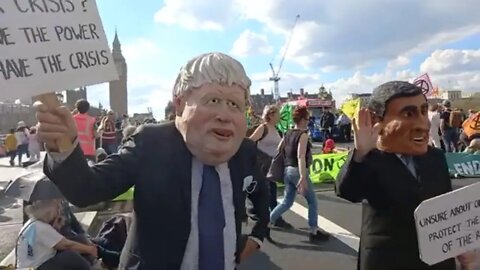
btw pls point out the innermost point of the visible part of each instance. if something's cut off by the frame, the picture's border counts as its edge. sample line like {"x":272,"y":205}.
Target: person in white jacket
{"x":434,"y":117}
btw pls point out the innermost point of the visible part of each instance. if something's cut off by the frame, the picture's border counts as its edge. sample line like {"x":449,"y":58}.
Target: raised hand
{"x":365,"y":134}
{"x":55,"y":125}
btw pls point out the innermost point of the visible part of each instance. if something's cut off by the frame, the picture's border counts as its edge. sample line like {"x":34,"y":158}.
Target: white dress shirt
{"x":190,"y":259}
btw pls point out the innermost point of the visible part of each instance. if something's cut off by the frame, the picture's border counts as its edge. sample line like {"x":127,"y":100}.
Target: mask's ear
{"x":377,"y":119}
{"x":178,"y":105}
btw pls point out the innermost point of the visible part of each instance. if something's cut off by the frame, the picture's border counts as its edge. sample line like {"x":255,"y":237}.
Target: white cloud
{"x":140,"y":49}
{"x":250,"y":44}
{"x":356,"y":33}
{"x":289,"y":82}
{"x":364,"y":83}
{"x":154,"y":96}
{"x":449,"y":69}
{"x":333,"y":34}
{"x":452,"y":61}
{"x":400,"y":61}
{"x":465,"y":81}
{"x":195,"y":15}
{"x":98,"y":94}
{"x":454,"y":69}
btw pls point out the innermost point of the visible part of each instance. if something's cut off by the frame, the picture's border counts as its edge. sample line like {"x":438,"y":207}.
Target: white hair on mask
{"x":211,"y":67}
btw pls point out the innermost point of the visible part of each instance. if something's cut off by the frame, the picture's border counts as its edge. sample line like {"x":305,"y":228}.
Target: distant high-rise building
{"x":118,"y":89}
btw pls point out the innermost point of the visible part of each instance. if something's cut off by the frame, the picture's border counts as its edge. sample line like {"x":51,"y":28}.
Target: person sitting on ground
{"x":40,"y":246}
{"x":330,"y":147}
{"x":73,"y":230}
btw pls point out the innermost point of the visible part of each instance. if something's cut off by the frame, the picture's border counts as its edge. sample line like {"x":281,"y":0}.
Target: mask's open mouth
{"x":420,"y":139}
{"x":222,"y":133}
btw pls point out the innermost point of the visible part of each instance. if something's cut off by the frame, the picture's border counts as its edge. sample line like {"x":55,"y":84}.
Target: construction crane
{"x":275,"y":78}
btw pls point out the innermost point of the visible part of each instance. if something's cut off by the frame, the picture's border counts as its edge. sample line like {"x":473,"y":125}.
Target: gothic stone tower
{"x":118,"y":89}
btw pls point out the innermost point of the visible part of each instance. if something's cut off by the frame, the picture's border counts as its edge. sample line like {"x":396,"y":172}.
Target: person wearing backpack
{"x":267,"y":137}
{"x":449,"y":127}
{"x":297,"y":151}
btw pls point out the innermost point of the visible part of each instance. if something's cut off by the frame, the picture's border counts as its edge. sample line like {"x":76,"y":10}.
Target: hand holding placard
{"x":55,"y":45}
{"x":449,"y":225}
{"x":56,"y":127}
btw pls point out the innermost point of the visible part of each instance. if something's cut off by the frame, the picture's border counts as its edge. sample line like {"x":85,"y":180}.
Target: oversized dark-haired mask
{"x":402,"y":111}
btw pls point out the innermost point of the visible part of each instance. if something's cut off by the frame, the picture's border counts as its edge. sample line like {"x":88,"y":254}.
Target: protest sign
{"x":286,"y":120}
{"x":325,"y":167}
{"x":52,"y":45}
{"x":464,"y":164}
{"x":449,"y":225}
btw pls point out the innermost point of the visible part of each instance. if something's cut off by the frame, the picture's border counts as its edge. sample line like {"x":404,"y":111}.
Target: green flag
{"x":286,"y":121}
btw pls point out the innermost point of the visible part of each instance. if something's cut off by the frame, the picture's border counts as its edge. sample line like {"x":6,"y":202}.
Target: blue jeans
{"x":291,"y":177}
{"x":22,"y":149}
{"x":450,"y":139}
{"x":272,"y":187}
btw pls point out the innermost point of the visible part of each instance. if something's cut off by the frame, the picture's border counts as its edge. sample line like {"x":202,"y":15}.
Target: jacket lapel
{"x":183,"y":168}
{"x":236,"y":178}
{"x":394,"y":159}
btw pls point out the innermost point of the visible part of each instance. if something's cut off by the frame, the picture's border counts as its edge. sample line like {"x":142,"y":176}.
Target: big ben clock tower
{"x":118,"y":89}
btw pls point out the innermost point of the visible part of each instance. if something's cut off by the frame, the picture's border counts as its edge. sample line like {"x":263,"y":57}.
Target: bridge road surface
{"x":292,"y":250}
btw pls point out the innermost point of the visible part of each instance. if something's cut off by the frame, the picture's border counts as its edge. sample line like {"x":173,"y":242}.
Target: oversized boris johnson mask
{"x":401,"y":109}
{"x":210,"y":97}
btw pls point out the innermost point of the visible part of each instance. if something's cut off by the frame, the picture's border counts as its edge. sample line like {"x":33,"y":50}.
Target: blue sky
{"x":349,"y":46}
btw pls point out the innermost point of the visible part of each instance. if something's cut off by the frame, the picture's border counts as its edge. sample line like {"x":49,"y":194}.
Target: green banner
{"x":286,"y":120}
{"x":463,"y":164}
{"x":325,"y":168}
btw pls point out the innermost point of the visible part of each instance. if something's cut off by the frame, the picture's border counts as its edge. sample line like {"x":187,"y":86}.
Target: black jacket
{"x":158,"y":164}
{"x":390,"y":195}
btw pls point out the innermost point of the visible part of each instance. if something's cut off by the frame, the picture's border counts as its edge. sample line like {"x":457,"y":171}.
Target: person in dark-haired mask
{"x":298,"y":158}
{"x":392,"y":170}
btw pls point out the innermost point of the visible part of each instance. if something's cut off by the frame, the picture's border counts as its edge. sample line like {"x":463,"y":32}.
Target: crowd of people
{"x":197,"y":178}
{"x":22,"y":141}
{"x":446,"y":128}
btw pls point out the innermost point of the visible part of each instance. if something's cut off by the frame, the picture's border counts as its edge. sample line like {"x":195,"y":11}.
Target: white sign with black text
{"x":449,"y":225}
{"x":52,"y":45}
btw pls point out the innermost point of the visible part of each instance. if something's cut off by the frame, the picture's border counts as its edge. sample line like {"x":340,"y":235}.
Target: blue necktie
{"x":211,"y":222}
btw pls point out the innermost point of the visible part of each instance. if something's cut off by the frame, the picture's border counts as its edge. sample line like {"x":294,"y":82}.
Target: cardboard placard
{"x":449,"y":225}
{"x":53,"y":45}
